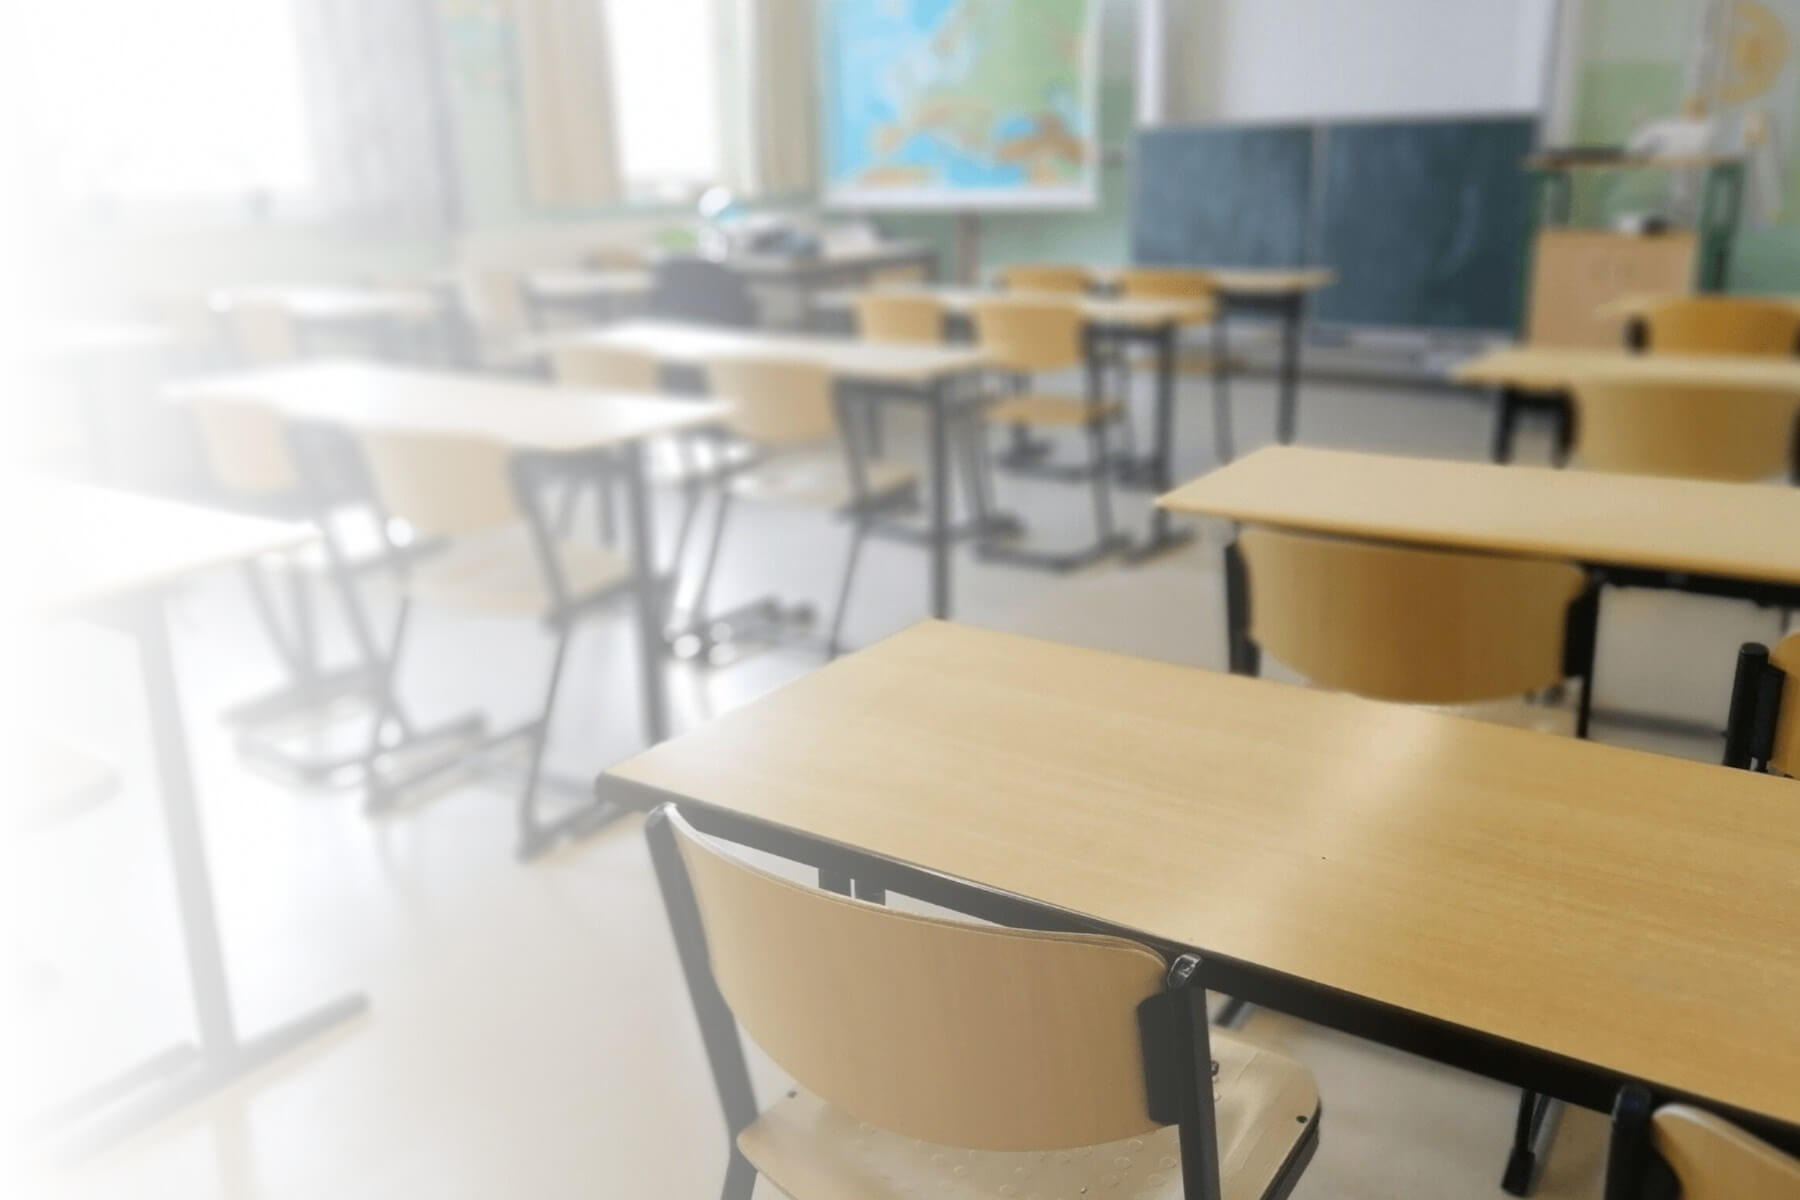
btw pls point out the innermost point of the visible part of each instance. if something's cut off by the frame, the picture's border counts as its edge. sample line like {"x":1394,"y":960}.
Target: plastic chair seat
{"x":1267,"y":1112}
{"x":498,"y":572}
{"x":819,"y":480}
{"x":1030,"y":409}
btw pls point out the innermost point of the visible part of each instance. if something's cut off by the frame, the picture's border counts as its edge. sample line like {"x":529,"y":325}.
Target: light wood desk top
{"x":697,"y":345}
{"x":329,"y":303}
{"x":514,"y":412}
{"x":69,"y":544}
{"x":1559,"y":368}
{"x":1742,"y":531}
{"x":1270,"y":281}
{"x":582,"y":283}
{"x":1101,"y":310}
{"x":1632,"y":911}
{"x":1637,"y":303}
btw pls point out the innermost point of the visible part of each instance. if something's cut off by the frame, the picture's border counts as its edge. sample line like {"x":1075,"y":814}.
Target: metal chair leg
{"x":1102,"y":466}
{"x":704,"y":588}
{"x":531,"y":832}
{"x":857,"y":537}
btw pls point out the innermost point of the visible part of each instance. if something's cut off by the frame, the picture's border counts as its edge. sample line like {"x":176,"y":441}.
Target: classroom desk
{"x":85,"y":552}
{"x":1281,"y":292}
{"x":1542,"y":377}
{"x":529,"y":417}
{"x":834,"y":263}
{"x":1717,"y":539}
{"x":1109,"y":321}
{"x":1559,"y":915}
{"x":587,"y":291}
{"x":918,"y":374}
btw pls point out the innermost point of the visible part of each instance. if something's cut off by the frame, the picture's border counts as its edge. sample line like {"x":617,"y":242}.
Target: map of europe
{"x":952,"y":103}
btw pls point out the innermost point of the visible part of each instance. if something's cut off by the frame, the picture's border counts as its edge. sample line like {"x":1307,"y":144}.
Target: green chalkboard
{"x":1424,"y":221}
{"x":1234,"y":195}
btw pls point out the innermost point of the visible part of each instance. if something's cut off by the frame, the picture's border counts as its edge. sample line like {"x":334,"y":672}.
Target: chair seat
{"x":1031,"y":409}
{"x":1267,"y":1109}
{"x":819,"y":480}
{"x":498,"y":572}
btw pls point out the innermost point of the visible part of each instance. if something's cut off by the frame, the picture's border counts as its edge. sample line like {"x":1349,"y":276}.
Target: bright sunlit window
{"x":667,"y":95}
{"x":172,"y":100}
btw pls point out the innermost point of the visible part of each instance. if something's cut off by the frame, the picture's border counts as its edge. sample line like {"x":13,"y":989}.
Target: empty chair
{"x":899,"y":317}
{"x":1024,"y":338}
{"x":1681,"y":1152}
{"x":1692,"y":432}
{"x":1165,"y":283}
{"x":793,"y":450}
{"x":1409,"y":624}
{"x":262,"y":331}
{"x":937,"y":1056}
{"x":496,"y":556}
{"x":1045,"y":277}
{"x":1716,"y":325}
{"x":687,"y":288}
{"x":1762,"y":730}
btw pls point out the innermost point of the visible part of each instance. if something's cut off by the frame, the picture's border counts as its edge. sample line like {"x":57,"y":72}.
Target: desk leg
{"x":647,"y":593}
{"x":1506,"y":423}
{"x":1162,"y":536}
{"x":1292,"y":318}
{"x":938,"y":401}
{"x":223,"y":1056}
{"x":1221,"y":375}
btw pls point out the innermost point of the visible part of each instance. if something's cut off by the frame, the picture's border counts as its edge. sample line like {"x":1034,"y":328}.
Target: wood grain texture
{"x":1715,"y":1160}
{"x":960,"y":1034}
{"x":403,"y":400}
{"x":1520,"y":884}
{"x":1421,"y":626}
{"x":1736,"y":530}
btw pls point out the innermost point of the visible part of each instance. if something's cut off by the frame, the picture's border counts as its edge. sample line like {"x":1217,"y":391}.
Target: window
{"x":666,"y":92}
{"x":175,"y":100}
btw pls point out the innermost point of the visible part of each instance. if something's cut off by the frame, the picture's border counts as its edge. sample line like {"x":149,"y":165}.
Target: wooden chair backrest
{"x":1694,"y":433}
{"x":442,"y":485}
{"x":1715,"y":1160}
{"x":606,"y":368}
{"x":262,"y":331}
{"x":1165,"y":283}
{"x":1028,"y":335}
{"x":776,"y":402}
{"x":960,"y":1034}
{"x":899,"y":317}
{"x":1401,"y":623}
{"x":1046,"y":277}
{"x":246,"y":449}
{"x":1785,"y":757}
{"x":1721,"y":325}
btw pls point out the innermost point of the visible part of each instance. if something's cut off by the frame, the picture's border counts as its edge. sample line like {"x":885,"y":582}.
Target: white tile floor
{"x":529,"y":1034}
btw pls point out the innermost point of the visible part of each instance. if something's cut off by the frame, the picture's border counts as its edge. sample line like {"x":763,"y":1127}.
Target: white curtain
{"x":375,"y":107}
{"x":566,"y":102}
{"x":773,"y":110}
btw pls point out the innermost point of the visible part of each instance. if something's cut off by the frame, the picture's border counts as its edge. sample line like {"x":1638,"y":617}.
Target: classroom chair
{"x":1185,"y":283}
{"x":1420,"y":626}
{"x":606,"y":369}
{"x":1691,"y":432}
{"x":1023,"y":338}
{"x":794,"y":448}
{"x":497,"y":555}
{"x":899,"y":317}
{"x":939,"y":1056}
{"x":248,"y":451}
{"x":1715,"y":325}
{"x":1762,"y":728}
{"x":1680,"y":1152}
{"x":1045,"y":277}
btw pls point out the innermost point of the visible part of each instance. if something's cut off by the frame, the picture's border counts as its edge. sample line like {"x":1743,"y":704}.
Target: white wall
{"x":1236,"y":60}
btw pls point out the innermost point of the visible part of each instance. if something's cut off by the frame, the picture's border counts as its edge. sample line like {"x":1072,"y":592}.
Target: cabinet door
{"x":1575,"y":271}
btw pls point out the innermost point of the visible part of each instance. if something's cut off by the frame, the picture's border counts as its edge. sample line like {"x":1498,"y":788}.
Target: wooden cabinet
{"x":1576,"y":271}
